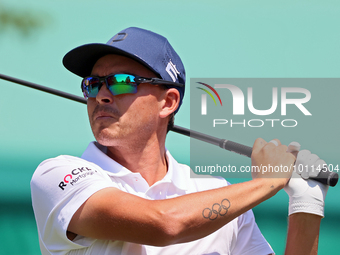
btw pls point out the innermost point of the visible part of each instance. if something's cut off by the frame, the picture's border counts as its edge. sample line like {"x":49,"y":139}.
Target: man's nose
{"x":104,"y":95}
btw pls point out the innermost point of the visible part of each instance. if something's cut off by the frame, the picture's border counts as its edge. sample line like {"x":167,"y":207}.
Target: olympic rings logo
{"x":216,"y":209}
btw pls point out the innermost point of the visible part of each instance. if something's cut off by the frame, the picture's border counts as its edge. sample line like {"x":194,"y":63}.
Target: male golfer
{"x":128,"y":195}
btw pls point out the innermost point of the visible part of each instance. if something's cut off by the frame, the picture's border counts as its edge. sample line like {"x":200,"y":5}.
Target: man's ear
{"x":170,"y":102}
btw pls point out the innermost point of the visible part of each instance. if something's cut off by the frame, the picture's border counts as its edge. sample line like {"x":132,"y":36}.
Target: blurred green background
{"x":241,"y":39}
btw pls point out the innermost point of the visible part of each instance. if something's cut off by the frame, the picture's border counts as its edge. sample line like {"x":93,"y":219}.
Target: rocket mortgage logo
{"x":75,"y":175}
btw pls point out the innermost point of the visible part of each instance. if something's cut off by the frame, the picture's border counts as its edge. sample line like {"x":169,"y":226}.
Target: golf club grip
{"x":325,"y":176}
{"x":236,"y":147}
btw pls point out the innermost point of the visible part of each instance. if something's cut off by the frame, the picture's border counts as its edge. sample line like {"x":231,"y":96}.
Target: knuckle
{"x":314,"y":157}
{"x":269,"y":147}
{"x":304,"y":152}
{"x":284,"y":147}
{"x":260,"y":141}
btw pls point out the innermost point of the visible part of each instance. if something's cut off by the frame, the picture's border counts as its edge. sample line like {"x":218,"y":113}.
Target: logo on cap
{"x":172,"y":71}
{"x":119,"y":37}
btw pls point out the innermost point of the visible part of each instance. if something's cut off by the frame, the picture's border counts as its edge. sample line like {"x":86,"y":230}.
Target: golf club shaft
{"x":43,"y":88}
{"x":325,"y":176}
{"x":223,"y":143}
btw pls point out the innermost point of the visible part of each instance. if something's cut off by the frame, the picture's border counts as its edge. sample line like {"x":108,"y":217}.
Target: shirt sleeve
{"x":59,"y":187}
{"x":249,"y":238}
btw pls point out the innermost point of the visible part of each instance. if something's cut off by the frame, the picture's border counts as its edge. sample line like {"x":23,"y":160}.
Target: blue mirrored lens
{"x":117,"y":84}
{"x":90,"y":87}
{"x":122,"y":84}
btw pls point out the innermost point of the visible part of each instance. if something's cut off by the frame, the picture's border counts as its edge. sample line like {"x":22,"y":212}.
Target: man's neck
{"x":149,"y":160}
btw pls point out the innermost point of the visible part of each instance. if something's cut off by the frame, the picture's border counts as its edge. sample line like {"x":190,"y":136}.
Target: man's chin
{"x":107,"y":138}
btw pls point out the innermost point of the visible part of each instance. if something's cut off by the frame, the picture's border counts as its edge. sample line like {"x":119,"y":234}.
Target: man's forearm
{"x":303,"y":234}
{"x":199,"y":214}
{"x":111,"y":214}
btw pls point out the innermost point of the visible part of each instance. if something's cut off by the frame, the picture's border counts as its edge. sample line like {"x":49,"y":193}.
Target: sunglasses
{"x":119,"y":84}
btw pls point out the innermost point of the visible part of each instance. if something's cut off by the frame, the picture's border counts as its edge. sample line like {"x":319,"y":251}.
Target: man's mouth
{"x":103,"y":115}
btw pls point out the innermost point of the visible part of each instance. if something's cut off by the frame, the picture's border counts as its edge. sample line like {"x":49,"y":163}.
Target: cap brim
{"x":81,"y":60}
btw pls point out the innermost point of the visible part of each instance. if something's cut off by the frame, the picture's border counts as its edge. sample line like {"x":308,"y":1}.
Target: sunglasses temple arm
{"x":43,"y":88}
{"x":160,"y":81}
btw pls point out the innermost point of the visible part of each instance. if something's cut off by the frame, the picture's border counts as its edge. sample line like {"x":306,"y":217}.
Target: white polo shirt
{"x":61,"y":185}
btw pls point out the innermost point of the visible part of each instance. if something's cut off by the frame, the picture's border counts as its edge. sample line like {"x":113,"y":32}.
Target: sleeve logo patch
{"x":75,"y":175}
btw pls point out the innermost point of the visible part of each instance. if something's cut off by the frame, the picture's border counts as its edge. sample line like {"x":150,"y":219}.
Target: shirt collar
{"x":96,"y":153}
{"x":177,"y":174}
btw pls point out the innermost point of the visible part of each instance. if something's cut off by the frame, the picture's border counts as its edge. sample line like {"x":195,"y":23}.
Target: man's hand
{"x":272,"y":161}
{"x":306,"y":195}
{"x":306,"y":204}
